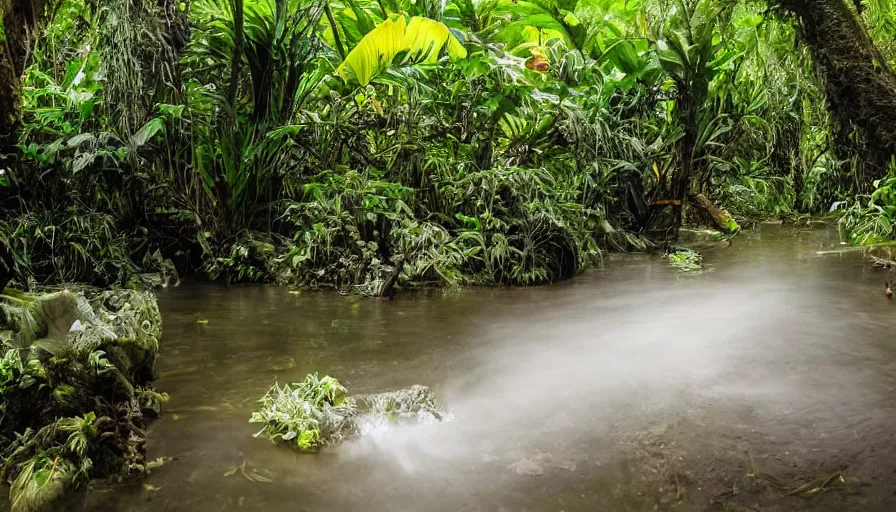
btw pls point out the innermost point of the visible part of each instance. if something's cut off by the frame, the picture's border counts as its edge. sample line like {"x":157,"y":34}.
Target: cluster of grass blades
{"x":833,"y":482}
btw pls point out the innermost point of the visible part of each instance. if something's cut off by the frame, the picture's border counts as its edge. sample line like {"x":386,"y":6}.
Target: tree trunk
{"x":860,"y":87}
{"x":681,"y":180}
{"x":387,"y":290}
{"x":20,"y":19}
{"x":798,"y":184}
{"x":667,"y":213}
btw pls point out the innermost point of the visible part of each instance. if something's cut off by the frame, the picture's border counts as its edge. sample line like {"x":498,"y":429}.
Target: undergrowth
{"x":871,"y":219}
{"x":371,"y":148}
{"x":318,"y":411}
{"x":75,"y":390}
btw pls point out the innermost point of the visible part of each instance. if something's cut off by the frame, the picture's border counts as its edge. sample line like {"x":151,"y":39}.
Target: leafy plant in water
{"x":308,"y":414}
{"x":317,"y":412}
{"x":686,"y":260}
{"x":42,"y":480}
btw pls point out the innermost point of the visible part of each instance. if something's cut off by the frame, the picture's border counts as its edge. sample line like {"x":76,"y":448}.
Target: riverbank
{"x":75,"y":389}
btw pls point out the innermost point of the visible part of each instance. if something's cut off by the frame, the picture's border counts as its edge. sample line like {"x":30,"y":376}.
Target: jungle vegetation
{"x":368,"y":145}
{"x":76,"y":390}
{"x":318,"y":411}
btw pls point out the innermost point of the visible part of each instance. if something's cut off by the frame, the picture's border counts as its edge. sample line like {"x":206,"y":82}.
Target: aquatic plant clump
{"x":686,"y":260}
{"x":317,"y":412}
{"x":309,"y":414}
{"x":75,"y":391}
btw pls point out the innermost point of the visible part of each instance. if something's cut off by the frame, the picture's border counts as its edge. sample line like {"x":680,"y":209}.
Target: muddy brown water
{"x":632,"y":387}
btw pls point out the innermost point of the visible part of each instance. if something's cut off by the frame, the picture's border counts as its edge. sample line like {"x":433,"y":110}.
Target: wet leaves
{"x":155,"y":464}
{"x":310,"y":413}
{"x":250,"y":472}
{"x":832,"y":482}
{"x":686,"y":260}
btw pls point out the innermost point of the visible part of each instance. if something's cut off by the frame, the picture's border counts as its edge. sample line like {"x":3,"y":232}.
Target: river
{"x":632,"y":387}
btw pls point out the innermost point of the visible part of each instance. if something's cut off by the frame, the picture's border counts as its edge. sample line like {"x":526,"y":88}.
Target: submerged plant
{"x":414,"y":404}
{"x":309,"y":414}
{"x":686,"y":260}
{"x":317,"y":411}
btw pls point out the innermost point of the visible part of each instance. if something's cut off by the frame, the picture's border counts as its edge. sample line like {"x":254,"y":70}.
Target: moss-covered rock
{"x":75,"y":392}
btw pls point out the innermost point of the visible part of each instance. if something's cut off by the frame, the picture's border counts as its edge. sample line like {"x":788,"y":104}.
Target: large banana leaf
{"x":424,"y":38}
{"x":421,"y":41}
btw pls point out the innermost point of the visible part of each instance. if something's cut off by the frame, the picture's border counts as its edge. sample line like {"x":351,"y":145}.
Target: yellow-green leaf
{"x":455,"y":49}
{"x":376,"y":49}
{"x":570,"y":19}
{"x":422,"y":39}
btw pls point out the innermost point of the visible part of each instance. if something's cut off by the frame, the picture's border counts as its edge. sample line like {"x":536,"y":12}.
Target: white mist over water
{"x":530,"y":385}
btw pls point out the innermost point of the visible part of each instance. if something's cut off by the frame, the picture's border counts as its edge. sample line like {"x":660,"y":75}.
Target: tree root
{"x":722,"y":219}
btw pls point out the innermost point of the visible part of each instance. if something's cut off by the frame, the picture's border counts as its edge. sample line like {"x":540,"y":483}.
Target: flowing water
{"x":633,"y":387}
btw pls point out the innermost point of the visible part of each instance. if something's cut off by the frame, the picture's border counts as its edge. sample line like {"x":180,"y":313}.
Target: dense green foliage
{"x":686,"y":260}
{"x":364,"y":145}
{"x":73,"y":400}
{"x":317,"y":411}
{"x":308,"y":414}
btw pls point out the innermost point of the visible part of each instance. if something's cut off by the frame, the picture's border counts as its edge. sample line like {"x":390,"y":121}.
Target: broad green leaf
{"x":364,"y":20}
{"x":148,"y":131}
{"x":376,"y":50}
{"x":422,"y":39}
{"x":570,"y":19}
